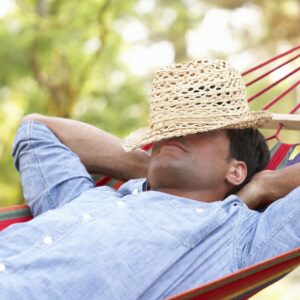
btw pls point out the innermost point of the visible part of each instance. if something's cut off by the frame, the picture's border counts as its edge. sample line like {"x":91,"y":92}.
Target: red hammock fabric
{"x":14,"y":214}
{"x":247,"y":282}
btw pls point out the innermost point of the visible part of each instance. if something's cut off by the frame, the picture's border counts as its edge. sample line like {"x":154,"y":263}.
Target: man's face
{"x":196,"y":161}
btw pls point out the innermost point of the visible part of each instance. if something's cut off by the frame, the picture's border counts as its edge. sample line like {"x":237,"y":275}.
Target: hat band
{"x":159,"y":124}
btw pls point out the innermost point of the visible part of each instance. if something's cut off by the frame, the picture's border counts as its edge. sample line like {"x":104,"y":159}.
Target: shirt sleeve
{"x":272,"y":232}
{"x":51,"y":174}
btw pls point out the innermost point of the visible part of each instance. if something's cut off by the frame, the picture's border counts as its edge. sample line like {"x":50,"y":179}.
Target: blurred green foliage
{"x":64,"y":58}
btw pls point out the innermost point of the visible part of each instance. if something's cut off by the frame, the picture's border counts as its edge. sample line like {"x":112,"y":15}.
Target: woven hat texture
{"x":196,"y":96}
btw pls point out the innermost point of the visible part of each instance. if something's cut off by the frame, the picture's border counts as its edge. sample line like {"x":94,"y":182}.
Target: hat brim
{"x":144,"y":136}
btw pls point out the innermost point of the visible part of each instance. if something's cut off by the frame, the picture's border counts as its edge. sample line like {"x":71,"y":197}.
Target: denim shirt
{"x":88,"y":242}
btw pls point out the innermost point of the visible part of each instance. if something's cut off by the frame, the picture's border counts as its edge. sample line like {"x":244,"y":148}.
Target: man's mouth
{"x":174,"y":144}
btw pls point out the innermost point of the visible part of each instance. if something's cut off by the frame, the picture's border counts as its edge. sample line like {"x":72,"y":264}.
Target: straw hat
{"x":196,"y":96}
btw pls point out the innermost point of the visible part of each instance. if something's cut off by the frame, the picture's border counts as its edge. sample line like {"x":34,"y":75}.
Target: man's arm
{"x":100,"y":152}
{"x":277,"y":229}
{"x":51,"y":174}
{"x":269,"y":186}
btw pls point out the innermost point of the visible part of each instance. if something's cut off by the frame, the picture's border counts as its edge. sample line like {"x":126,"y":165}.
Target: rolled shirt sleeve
{"x":51,"y":174}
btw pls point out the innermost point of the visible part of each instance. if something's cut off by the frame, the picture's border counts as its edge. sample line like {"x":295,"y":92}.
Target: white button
{"x":200,"y":211}
{"x":86,"y":216}
{"x":121,"y":204}
{"x":2,"y":267}
{"x":135,"y":191}
{"x":48,"y":240}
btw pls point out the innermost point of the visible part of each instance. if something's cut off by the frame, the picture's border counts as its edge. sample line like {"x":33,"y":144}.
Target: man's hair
{"x":248,"y":145}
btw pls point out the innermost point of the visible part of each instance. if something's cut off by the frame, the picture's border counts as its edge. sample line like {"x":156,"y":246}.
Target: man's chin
{"x":165,"y":165}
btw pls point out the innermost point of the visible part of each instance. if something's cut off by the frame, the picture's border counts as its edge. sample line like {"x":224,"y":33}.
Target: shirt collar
{"x":134,"y":185}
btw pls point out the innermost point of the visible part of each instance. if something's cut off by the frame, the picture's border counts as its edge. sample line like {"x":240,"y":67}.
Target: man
{"x":152,"y":238}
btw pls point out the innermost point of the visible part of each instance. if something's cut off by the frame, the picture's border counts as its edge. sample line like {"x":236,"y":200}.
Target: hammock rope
{"x":259,"y":66}
{"x":271,"y":71}
{"x":264,"y":90}
{"x":283,"y":94}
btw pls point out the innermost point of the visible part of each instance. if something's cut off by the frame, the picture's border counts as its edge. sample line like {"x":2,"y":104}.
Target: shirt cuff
{"x":29,"y":130}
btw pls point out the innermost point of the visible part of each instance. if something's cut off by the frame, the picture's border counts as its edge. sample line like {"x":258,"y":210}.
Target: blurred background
{"x":93,"y":61}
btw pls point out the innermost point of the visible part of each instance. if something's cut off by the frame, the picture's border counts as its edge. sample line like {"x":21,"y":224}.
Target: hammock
{"x":248,"y":281}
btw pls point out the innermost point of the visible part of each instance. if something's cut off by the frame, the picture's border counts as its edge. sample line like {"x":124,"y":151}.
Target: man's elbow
{"x":33,"y":117}
{"x":22,"y":139}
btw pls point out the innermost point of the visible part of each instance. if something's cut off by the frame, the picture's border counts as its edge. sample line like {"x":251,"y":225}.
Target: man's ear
{"x":237,"y":172}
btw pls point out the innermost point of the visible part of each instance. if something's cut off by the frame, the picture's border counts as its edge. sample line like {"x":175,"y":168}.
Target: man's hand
{"x":99,"y":151}
{"x":255,"y":193}
{"x":269,"y":186}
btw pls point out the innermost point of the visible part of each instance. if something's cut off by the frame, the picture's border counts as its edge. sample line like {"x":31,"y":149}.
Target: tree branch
{"x":103,"y":33}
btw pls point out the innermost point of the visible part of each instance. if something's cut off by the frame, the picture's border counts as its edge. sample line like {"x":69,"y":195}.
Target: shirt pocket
{"x":190,"y":223}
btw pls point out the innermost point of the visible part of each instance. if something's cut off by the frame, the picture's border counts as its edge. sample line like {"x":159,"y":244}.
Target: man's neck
{"x":203,"y":196}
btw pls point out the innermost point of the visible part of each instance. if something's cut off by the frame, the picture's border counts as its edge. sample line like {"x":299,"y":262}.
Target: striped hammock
{"x":248,"y":281}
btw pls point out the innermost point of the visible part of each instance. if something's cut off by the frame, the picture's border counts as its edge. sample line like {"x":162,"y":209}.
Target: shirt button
{"x":135,"y":191}
{"x":200,"y":211}
{"x":2,"y":267}
{"x":86,"y":216}
{"x":47,"y":240}
{"x":121,"y":204}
